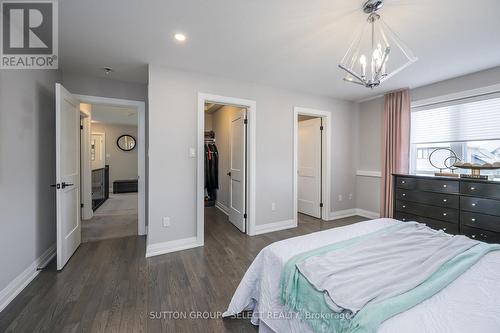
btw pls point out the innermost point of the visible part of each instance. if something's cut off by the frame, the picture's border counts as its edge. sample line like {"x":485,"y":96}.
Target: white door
{"x":237,"y":197}
{"x":67,"y":174}
{"x":309,"y":167}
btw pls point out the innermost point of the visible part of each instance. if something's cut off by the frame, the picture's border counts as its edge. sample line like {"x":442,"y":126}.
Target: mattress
{"x":471,"y":303}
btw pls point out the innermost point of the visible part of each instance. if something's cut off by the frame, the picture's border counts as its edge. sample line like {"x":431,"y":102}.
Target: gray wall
{"x":122,"y":164}
{"x":27,"y":168}
{"x":103,"y":87}
{"x":369,"y":129}
{"x":173,"y":128}
{"x":369,"y":158}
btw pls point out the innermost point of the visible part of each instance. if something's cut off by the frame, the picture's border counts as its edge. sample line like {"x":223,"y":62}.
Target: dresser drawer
{"x":434,"y":212}
{"x":485,"y":206}
{"x":434,"y":224}
{"x":406,"y":182}
{"x":430,"y":198}
{"x":481,"y":235}
{"x":431,"y":185}
{"x":479,"y":189}
{"x":481,"y":221}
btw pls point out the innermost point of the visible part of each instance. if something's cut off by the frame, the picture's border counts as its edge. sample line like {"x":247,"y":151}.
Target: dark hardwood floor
{"x":109,"y":286}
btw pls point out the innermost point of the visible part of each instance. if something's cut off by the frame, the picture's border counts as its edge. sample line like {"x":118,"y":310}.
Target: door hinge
{"x":321,"y":128}
{"x":245,"y":121}
{"x":81,"y":127}
{"x":81,"y":205}
{"x":245,"y":215}
{"x":321,"y":205}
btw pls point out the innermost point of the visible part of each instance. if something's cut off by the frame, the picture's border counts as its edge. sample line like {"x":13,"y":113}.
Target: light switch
{"x":166,"y":222}
{"x":192,"y":152}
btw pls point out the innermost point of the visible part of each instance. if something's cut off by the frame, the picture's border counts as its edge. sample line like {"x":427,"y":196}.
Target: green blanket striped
{"x":298,"y":295}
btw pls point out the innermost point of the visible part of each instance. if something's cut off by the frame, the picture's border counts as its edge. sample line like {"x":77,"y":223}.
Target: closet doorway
{"x":226,"y":163}
{"x":312,"y":139}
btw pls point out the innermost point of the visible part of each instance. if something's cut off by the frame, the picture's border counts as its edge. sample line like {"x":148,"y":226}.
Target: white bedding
{"x":469,"y":304}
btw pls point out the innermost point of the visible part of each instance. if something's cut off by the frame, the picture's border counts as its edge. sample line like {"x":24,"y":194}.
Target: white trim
{"x":366,"y":213}
{"x":341,"y":214}
{"x":17,"y":285}
{"x":171,"y":246}
{"x":275,"y":226}
{"x":86,"y":166}
{"x":457,"y":96}
{"x":369,"y":173}
{"x":326,"y":186}
{"x":251,"y":159}
{"x":223,"y":208}
{"x":141,"y":149}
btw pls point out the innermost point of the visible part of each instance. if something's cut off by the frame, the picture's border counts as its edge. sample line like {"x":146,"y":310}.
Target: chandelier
{"x":376,"y":53}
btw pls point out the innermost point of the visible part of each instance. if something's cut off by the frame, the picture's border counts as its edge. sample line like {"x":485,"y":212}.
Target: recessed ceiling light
{"x":180,"y":37}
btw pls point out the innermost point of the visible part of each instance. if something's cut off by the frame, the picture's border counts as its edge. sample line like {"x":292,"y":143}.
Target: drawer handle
{"x":445,"y":186}
{"x":473,"y":220}
{"x":444,"y":214}
{"x":472,"y":188}
{"x":444,"y":229}
{"x":474,"y":204}
{"x":473,"y":236}
{"x":484,"y":236}
{"x":404,"y":219}
{"x":404,"y":194}
{"x":403,"y":182}
{"x":445,"y":200}
{"x":404,"y":206}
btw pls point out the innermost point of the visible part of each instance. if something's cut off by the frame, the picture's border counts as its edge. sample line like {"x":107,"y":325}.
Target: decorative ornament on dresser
{"x":476,"y":169}
{"x":448,"y":162}
{"x":377,"y":53}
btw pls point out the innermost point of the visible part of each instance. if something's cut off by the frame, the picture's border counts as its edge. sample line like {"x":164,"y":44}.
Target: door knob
{"x":57,"y":186}
{"x":229,"y":173}
{"x":64,"y":185}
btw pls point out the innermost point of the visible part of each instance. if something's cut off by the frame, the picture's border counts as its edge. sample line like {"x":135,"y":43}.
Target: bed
{"x":471,"y":303}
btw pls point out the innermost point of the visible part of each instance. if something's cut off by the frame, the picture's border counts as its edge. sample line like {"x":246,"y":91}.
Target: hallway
{"x":117,"y":217}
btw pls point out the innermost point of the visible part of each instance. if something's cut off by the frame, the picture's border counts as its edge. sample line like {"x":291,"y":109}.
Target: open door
{"x":309,"y":167}
{"x":67,"y":175}
{"x":237,"y":191}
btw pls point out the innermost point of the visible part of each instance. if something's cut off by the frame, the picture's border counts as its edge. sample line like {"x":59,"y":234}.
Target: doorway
{"x":74,"y":166}
{"x":114,"y":177}
{"x":226,"y":161}
{"x":312,"y":139}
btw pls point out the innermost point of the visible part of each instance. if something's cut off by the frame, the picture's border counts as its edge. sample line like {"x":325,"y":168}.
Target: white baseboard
{"x":223,"y":208}
{"x":275,"y":226}
{"x":22,"y":280}
{"x":172,"y":246}
{"x":368,"y":214}
{"x":341,"y":214}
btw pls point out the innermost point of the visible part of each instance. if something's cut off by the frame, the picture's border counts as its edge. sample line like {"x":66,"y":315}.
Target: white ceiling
{"x":294,"y":44}
{"x":114,"y":115}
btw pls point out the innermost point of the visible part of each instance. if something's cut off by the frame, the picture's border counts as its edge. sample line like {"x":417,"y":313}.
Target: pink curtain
{"x":396,"y":145}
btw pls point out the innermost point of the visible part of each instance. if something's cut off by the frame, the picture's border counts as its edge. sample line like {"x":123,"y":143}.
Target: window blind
{"x":466,"y":120}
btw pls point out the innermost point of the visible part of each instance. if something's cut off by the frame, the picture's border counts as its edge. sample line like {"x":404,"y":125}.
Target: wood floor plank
{"x":109,"y":285}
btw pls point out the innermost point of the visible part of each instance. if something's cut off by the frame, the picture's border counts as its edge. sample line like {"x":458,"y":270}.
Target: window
{"x":469,"y":127}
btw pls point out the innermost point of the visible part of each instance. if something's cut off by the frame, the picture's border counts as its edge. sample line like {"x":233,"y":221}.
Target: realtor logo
{"x":29,"y":35}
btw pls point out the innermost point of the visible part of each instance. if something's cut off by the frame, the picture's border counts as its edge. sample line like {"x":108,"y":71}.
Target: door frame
{"x":251,"y":107}
{"x":141,"y":149}
{"x":326,"y":160}
{"x":86,"y":166}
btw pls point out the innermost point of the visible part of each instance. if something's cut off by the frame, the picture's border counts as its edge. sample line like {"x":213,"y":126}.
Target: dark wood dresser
{"x":454,"y":205}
